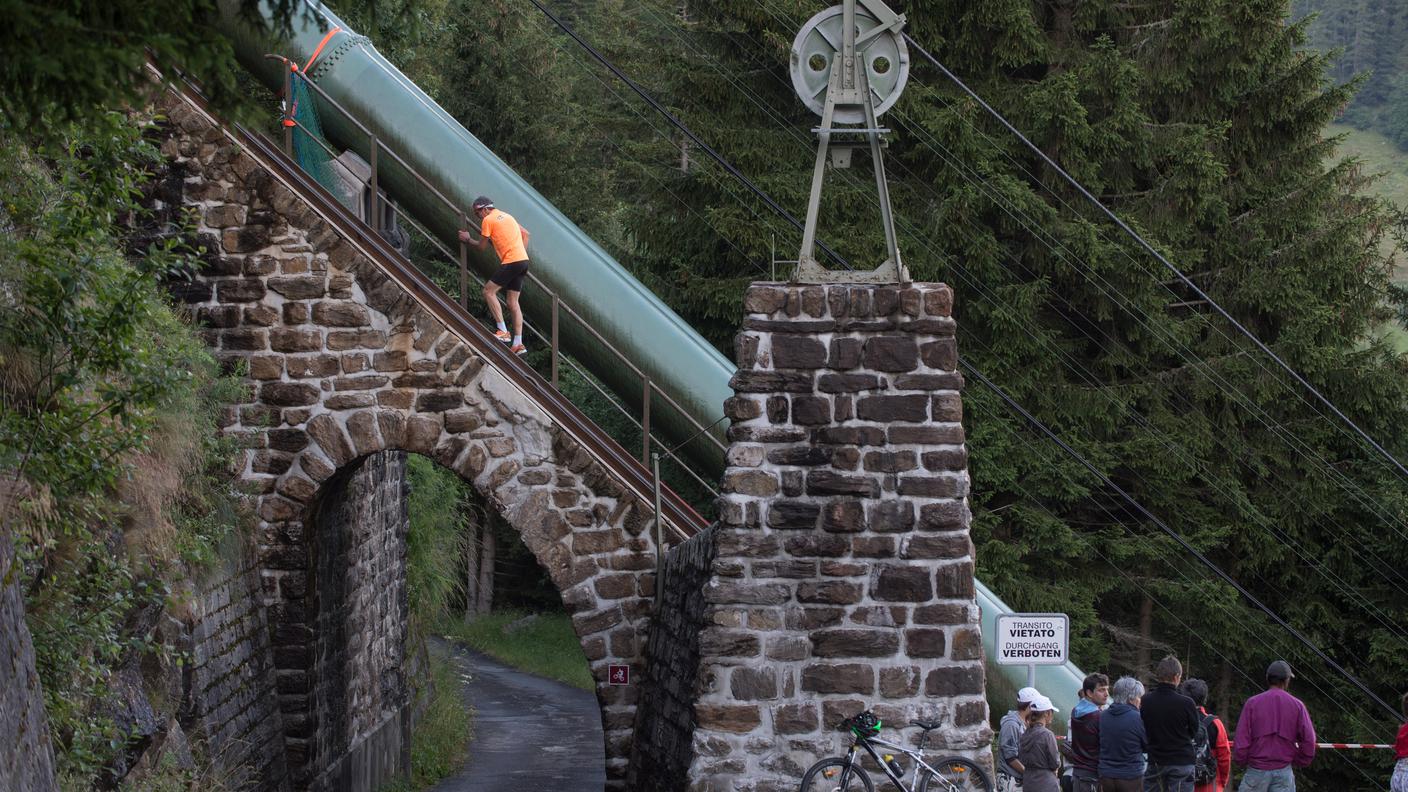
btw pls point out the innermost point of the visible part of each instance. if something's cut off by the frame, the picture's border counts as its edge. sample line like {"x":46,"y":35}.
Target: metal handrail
{"x":649,"y":388}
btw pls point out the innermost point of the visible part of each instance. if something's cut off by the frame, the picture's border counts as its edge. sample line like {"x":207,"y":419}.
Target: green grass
{"x":547,"y":647}
{"x":1380,"y":156}
{"x":440,"y":740}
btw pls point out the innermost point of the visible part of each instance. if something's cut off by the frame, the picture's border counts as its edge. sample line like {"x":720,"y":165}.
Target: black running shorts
{"x":510,"y":276}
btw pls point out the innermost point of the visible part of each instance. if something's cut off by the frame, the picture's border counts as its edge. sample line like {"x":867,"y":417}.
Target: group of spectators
{"x":1122,"y":738}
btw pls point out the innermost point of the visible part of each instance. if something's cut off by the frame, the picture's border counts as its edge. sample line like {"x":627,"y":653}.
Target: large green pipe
{"x":655,"y":338}
{"x":651,"y":336}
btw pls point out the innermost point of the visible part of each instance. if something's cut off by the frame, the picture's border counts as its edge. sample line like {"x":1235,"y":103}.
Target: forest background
{"x":1202,"y":122}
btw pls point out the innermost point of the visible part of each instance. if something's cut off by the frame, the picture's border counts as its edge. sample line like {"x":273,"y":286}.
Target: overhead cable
{"x":680,"y":125}
{"x":1156,"y":254}
{"x":1177,"y":537}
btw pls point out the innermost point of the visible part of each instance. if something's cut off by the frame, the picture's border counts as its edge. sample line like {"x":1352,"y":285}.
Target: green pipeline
{"x":646,"y":332}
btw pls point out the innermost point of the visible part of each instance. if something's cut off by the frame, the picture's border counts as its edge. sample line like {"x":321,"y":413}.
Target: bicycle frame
{"x":869,"y":743}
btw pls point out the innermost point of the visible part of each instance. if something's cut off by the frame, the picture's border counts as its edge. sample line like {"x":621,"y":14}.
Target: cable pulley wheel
{"x":818,"y":44}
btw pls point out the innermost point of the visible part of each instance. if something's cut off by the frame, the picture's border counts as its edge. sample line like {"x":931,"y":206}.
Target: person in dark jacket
{"x":1122,"y":741}
{"x":1171,"y":723}
{"x":1197,"y":690}
{"x":1082,"y":746}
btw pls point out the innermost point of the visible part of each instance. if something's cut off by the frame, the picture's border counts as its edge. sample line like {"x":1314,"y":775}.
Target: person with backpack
{"x":1170,"y":721}
{"x":1212,"y":754}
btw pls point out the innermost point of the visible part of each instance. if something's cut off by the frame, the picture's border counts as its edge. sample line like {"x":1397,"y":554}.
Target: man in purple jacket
{"x":1274,"y":734}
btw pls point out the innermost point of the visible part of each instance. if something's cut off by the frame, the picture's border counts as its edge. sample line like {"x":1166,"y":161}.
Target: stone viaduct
{"x":840,"y":574}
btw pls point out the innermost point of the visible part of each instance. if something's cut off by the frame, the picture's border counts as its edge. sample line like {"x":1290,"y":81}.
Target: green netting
{"x":308,"y":151}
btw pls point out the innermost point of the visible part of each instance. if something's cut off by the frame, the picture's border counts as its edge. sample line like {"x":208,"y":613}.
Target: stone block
{"x":793,"y":515}
{"x":891,"y":409}
{"x":829,"y":592}
{"x":855,"y":643}
{"x":967,"y":645}
{"x":342,"y":340}
{"x":843,"y":516}
{"x":799,"y":718}
{"x":951,"y":682}
{"x":954,"y":581}
{"x":953,"y":459}
{"x":858,"y":678}
{"x":933,"y":486}
{"x":945,"y":546}
{"x":950,"y":516}
{"x":732,"y":718}
{"x":899,"y":682}
{"x":309,"y":366}
{"x":288,"y":394}
{"x":939,"y":302}
{"x":798,"y":352}
{"x":340,"y":314}
{"x":941,"y":354}
{"x":890,"y":461}
{"x":772,"y":382}
{"x":753,"y":684}
{"x":902,"y":584}
{"x":328,"y":434}
{"x":925,"y":642}
{"x":848,"y":383}
{"x":825,"y":482}
{"x":244,"y":339}
{"x":241,"y":290}
{"x":757,"y":483}
{"x":891,"y":515}
{"x":715,"y":642}
{"x":747,"y":593}
{"x":894,"y":353}
{"x":287,"y":339}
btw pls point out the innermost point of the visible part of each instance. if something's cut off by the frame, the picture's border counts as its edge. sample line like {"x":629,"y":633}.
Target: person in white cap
{"x":1009,"y":741}
{"x":1040,"y":759}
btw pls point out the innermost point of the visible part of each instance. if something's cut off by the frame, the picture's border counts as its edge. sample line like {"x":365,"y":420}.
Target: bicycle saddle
{"x":925,"y":725}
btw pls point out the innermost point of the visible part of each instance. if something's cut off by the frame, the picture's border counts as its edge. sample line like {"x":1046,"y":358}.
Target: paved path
{"x":530,"y":733}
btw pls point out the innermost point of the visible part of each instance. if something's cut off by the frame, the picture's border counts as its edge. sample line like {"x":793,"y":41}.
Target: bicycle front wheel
{"x":826,"y":776}
{"x":954,"y":774}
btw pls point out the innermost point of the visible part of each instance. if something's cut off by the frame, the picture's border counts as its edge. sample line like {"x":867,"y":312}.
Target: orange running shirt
{"x":500,"y":228}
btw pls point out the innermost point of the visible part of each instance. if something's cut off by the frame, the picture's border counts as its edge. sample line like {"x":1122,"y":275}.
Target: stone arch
{"x":343,"y":363}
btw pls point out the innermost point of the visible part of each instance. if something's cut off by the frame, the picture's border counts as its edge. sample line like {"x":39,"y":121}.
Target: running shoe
{"x":503,"y":335}
{"x":519,"y":349}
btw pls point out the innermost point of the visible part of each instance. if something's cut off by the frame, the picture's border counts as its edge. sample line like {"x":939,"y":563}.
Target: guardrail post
{"x":659,"y":539}
{"x":645,"y":424}
{"x":556,"y":302}
{"x":373,"y":212}
{"x":288,"y":112}
{"x":464,"y":266}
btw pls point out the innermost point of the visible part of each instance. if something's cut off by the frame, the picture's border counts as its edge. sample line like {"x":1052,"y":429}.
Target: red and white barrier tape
{"x":1332,"y":746}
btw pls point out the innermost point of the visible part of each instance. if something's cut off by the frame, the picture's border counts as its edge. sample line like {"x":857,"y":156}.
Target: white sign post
{"x":1033,"y":639}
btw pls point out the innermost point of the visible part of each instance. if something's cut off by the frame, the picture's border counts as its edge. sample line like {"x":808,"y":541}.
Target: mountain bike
{"x":845,"y":774}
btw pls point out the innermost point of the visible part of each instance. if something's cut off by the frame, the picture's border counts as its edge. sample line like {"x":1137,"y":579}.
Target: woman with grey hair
{"x":1122,"y":739}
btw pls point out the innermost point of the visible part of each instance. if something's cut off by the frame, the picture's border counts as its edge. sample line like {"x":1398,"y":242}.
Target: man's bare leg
{"x":491,"y":298}
{"x":516,"y":314}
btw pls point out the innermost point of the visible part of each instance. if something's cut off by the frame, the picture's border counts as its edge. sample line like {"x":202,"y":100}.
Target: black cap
{"x":483,"y":202}
{"x":1279,"y":669}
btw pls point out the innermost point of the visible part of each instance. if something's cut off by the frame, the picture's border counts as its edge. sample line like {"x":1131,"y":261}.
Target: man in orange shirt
{"x":511,"y":244}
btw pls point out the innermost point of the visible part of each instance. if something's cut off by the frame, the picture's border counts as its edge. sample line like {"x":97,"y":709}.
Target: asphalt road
{"x":530,"y":733}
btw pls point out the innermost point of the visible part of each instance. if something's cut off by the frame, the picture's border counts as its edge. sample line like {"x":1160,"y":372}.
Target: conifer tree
{"x":1200,"y":123}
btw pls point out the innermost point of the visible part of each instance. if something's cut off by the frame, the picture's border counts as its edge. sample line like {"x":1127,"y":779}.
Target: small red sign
{"x":619,"y":675}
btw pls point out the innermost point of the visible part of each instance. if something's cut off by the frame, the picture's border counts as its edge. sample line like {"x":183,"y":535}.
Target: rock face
{"x":843,"y":574}
{"x":343,"y":364}
{"x":27,"y":760}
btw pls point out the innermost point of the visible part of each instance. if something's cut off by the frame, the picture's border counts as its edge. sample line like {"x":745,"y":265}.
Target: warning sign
{"x":1033,"y":638}
{"x":618,"y":675}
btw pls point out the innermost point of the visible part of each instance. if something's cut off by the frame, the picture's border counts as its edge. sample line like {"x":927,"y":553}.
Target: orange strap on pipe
{"x":319,"y":49}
